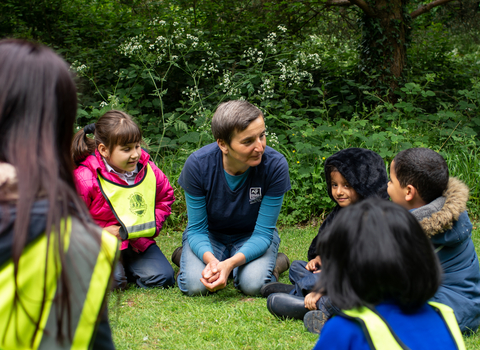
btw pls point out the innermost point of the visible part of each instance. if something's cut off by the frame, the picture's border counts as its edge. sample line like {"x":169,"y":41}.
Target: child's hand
{"x":311,"y":300}
{"x":314,"y":265}
{"x":114,"y":230}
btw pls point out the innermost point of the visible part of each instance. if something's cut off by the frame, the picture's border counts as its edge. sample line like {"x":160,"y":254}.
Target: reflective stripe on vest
{"x":133,"y":206}
{"x":446,"y":312}
{"x":380,"y":336}
{"x":88,"y":267}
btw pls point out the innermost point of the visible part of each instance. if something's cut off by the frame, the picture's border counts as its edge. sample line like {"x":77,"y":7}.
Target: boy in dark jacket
{"x":419,"y":181}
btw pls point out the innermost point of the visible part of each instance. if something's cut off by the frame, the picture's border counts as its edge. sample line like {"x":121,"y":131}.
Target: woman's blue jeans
{"x":249,"y":278}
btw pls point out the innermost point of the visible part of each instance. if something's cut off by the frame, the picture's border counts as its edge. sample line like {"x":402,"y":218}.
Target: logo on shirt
{"x":255,"y":195}
{"x":137,"y":203}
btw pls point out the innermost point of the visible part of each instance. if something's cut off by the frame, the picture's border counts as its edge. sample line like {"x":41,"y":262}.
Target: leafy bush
{"x":170,"y":66}
{"x":177,"y":76}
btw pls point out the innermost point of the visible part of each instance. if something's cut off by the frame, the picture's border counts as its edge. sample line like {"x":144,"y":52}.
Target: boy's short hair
{"x":424,"y":169}
{"x":376,"y":250}
{"x":235,"y":115}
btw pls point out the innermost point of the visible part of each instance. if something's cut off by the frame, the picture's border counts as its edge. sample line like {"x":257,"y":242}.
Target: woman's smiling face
{"x":246,"y":148}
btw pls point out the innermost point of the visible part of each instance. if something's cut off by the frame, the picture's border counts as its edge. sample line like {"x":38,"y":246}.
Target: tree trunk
{"x":383,"y":49}
{"x":385,"y":34}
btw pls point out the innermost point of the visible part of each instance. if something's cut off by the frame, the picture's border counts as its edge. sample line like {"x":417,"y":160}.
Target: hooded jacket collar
{"x":439,"y":215}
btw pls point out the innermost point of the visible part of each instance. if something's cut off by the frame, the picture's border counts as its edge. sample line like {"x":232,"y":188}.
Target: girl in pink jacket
{"x":127,"y":195}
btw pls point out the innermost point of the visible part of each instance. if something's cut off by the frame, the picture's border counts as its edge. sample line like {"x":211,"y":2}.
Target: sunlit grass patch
{"x":166,"y":319}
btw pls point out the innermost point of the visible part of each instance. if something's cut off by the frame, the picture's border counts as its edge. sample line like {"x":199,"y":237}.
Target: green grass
{"x":166,"y":319}
{"x":465,"y":164}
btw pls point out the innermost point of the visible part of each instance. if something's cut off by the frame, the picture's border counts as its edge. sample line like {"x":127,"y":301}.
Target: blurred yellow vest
{"x":88,"y":264}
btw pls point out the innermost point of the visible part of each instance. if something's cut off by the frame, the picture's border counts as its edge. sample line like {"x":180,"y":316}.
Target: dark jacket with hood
{"x":365,"y":172}
{"x":445,"y":221}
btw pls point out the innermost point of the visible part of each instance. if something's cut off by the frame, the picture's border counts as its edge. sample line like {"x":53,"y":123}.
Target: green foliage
{"x":177,"y":75}
{"x":170,"y":67}
{"x":465,"y":165}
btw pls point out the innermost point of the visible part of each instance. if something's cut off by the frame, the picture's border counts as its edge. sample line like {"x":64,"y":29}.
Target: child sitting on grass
{"x":352,"y":175}
{"x":127,"y":195}
{"x":419,"y":181}
{"x":380,"y":269}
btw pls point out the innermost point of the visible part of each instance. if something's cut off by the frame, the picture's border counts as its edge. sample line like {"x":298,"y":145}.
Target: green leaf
{"x":190,"y":137}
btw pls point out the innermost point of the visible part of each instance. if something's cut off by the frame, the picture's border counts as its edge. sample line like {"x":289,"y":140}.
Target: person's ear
{"x":223,"y":146}
{"x":103,"y":150}
{"x":410,"y":193}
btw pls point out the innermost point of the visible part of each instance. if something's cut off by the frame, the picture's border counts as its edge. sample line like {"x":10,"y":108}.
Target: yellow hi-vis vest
{"x":381,"y":337}
{"x":88,"y":264}
{"x":134,"y":205}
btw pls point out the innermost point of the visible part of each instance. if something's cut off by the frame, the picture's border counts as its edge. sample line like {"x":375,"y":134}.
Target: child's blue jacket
{"x":421,"y":329}
{"x":446,"y":222}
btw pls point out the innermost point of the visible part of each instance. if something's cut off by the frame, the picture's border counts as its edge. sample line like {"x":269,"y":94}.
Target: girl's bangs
{"x":127,"y":133}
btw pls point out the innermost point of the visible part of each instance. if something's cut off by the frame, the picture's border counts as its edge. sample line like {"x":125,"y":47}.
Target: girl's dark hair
{"x":112,"y":129}
{"x":38,"y":104}
{"x":376,"y":250}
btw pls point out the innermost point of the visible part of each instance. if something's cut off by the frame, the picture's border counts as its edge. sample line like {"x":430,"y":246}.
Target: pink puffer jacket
{"x":87,"y":187}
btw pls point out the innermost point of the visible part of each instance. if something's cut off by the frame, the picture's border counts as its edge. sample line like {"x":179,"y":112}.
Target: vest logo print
{"x":137,"y":203}
{"x":255,"y":195}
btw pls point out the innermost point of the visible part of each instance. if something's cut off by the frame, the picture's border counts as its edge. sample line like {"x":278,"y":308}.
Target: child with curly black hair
{"x":352,"y":174}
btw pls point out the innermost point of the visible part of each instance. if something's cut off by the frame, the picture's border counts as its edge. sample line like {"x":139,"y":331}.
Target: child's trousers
{"x":305,"y":282}
{"x":147,"y":269}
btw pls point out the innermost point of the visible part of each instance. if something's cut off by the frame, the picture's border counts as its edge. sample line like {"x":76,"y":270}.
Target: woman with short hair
{"x":234,"y":191}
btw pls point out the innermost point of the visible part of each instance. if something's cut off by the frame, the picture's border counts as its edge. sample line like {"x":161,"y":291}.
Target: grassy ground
{"x":165,"y":319}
